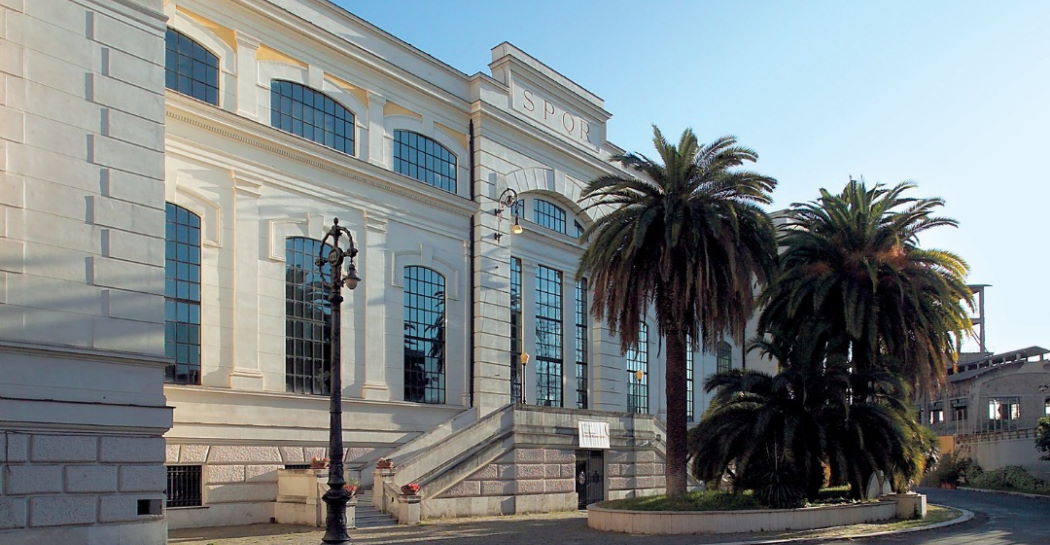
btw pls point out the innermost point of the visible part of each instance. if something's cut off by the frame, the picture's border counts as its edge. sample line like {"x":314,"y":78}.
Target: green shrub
{"x":1010,"y":478}
{"x":707,"y":500}
{"x":950,"y":469}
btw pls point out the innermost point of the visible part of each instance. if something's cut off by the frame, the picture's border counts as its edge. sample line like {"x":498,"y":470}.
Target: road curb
{"x":1007,"y":492}
{"x":966,"y":516}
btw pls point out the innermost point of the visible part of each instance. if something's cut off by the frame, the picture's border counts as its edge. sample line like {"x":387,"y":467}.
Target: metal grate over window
{"x":184,"y":486}
{"x":581,"y":343}
{"x":515,"y":329}
{"x":638,"y":374}
{"x":312,"y":115}
{"x":182,"y":295}
{"x":723,"y":357}
{"x":424,"y":335}
{"x":189,"y":68}
{"x":548,"y":337}
{"x":549,"y":215}
{"x":307,"y":315}
{"x":422,"y":158}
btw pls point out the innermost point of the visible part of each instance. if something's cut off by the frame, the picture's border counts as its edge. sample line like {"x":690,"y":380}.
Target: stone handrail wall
{"x":452,"y":447}
{"x":419,"y":446}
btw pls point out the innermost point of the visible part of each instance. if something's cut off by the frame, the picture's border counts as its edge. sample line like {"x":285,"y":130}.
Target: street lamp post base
{"x":335,"y":523}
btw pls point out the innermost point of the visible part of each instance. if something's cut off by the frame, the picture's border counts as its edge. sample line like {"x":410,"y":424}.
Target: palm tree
{"x":688,"y":238}
{"x":851,"y":265}
{"x":776,"y":432}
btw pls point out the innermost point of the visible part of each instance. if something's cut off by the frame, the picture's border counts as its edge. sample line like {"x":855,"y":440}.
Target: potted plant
{"x":351,"y":487}
{"x":410,"y":489}
{"x":318,"y":463}
{"x":384,"y":463}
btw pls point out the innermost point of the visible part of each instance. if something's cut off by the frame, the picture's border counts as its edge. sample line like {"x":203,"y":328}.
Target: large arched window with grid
{"x":424,"y":159}
{"x":723,"y":357}
{"x":638,"y":373}
{"x":424,"y":335}
{"x":189,"y":68}
{"x":312,"y":115}
{"x":307,"y":317}
{"x":182,"y":295}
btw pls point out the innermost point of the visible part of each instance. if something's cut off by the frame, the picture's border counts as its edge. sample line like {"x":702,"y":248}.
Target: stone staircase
{"x":367,"y":516}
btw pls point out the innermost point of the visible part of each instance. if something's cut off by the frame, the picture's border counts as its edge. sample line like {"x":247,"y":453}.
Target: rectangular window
{"x":308,"y":317}
{"x":936,"y":416}
{"x":1004,"y":409}
{"x":548,"y":337}
{"x":515,"y":330}
{"x":581,"y":343}
{"x":959,"y":413}
{"x":182,"y":295}
{"x":689,"y":361}
{"x":638,"y":374}
{"x":184,"y":486}
{"x":424,"y":326}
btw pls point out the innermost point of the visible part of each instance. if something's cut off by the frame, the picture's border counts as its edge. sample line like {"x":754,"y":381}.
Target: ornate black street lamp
{"x":336,"y":497}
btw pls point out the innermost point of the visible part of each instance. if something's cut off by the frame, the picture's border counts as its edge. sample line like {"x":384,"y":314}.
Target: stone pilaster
{"x":377,"y":362}
{"x":244,"y":372}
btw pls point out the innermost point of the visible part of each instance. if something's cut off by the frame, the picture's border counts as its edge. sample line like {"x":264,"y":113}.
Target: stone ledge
{"x":745,"y":521}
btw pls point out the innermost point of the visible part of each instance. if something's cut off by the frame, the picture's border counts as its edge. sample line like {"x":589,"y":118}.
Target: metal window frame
{"x":186,"y":53}
{"x":182,"y":293}
{"x":307,"y":360}
{"x":414,"y":301}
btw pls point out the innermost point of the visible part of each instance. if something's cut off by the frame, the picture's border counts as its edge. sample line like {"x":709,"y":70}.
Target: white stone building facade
{"x":279,"y":116}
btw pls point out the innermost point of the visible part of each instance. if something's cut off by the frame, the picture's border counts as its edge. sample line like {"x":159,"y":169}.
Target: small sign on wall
{"x":594,"y":435}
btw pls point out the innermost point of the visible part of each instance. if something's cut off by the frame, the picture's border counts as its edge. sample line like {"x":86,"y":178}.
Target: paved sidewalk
{"x":556,"y":528}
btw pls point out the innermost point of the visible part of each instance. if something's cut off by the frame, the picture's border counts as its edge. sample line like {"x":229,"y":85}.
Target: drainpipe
{"x":473,"y":247}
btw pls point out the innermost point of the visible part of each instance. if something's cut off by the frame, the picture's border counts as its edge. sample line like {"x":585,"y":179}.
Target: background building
{"x":82,"y":360}
{"x":989,"y":408}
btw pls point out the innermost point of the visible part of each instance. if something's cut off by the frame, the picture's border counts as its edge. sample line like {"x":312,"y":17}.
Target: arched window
{"x":424,"y":159}
{"x":307,"y":317}
{"x":424,"y":335}
{"x":182,"y":294}
{"x":724,"y":357}
{"x":549,"y":215}
{"x":312,"y":115}
{"x":548,"y":337}
{"x":638,"y":374}
{"x":189,"y":68}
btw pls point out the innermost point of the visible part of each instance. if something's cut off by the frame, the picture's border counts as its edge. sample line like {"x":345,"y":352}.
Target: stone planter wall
{"x":240,"y":482}
{"x":299,"y":493}
{"x":726,"y":522}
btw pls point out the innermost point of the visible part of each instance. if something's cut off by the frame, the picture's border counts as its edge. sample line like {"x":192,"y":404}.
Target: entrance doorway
{"x":590,"y":477}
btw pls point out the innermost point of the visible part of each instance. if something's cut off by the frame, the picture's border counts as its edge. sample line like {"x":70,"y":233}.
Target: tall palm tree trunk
{"x":677,"y":448}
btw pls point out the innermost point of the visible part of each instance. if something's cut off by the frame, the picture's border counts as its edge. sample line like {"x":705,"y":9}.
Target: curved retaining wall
{"x":727,"y":522}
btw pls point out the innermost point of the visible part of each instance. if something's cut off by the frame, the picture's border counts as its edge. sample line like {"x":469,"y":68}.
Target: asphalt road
{"x":1000,"y":519}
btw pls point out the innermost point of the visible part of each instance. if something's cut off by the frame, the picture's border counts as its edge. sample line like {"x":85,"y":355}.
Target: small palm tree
{"x":851,"y":265}
{"x":686,"y":237}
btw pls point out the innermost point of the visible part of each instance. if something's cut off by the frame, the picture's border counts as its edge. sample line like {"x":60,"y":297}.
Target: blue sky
{"x":954,"y":96}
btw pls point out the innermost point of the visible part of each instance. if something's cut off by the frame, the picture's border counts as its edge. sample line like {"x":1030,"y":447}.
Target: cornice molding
{"x":85,"y":354}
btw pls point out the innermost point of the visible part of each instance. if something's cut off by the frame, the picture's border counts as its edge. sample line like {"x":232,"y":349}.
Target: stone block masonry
{"x":62,"y":480}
